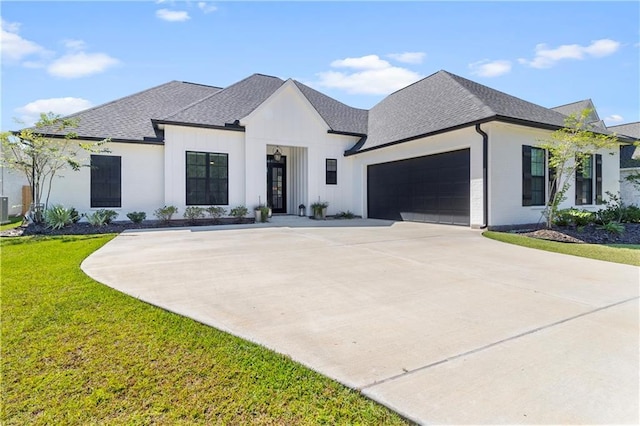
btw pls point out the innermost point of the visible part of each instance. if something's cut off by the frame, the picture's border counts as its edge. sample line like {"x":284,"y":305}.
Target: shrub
{"x":57,"y":217}
{"x":264,"y":213}
{"x":109,"y":215}
{"x":97,"y":218}
{"x":613,"y":228}
{"x":75,"y":216}
{"x":192,"y":213}
{"x":137,"y":217}
{"x":165,"y":213}
{"x":631,"y":214}
{"x":239,"y":212}
{"x":345,"y":215}
{"x":574,"y":216}
{"x":613,"y":211}
{"x":216,"y":212}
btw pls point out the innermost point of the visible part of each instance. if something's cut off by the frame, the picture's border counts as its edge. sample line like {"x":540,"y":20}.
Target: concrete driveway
{"x":435,"y":322}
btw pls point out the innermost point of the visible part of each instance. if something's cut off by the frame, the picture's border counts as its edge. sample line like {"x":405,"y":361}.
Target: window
{"x":332,"y":171}
{"x":106,"y":181}
{"x":207,"y":179}
{"x":588,"y":178}
{"x":533,"y":176}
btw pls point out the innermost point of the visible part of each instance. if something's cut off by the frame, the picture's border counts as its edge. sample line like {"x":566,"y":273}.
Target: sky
{"x":63,"y":57}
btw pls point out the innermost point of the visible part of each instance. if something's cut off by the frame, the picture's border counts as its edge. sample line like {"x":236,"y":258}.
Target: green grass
{"x":617,"y":254}
{"x":14,"y":222}
{"x":627,"y":246}
{"x":77,"y":352}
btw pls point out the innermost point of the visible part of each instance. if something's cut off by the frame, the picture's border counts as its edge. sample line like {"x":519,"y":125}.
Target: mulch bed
{"x":590,"y":234}
{"x":84,"y":228}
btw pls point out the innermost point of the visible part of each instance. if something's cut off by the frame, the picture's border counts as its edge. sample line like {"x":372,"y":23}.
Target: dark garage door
{"x":434,"y":188}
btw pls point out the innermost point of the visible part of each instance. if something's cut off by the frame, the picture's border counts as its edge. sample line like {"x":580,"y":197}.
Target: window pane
{"x":537,"y":162}
{"x":207,"y":178}
{"x":106,"y":181}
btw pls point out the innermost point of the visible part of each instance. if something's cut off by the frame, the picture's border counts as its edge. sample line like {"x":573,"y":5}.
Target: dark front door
{"x":277,"y":184}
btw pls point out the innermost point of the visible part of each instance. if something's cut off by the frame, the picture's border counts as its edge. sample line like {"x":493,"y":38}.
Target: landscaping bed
{"x":590,"y":234}
{"x":85,"y":228}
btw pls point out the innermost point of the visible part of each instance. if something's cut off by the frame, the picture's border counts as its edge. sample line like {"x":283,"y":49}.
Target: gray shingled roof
{"x":224,"y":107}
{"x":240,"y":99}
{"x":575,"y":108}
{"x":444,"y":101}
{"x":340,"y":117}
{"x":129,"y":118}
{"x":628,"y":152}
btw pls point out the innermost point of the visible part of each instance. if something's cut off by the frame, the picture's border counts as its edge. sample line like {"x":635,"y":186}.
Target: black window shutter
{"x":552,"y":179}
{"x":599,"y":179}
{"x":579,"y":184}
{"x":526,"y":176}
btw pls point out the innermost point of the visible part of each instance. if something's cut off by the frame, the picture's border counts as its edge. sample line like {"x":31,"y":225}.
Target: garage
{"x":433,"y":188}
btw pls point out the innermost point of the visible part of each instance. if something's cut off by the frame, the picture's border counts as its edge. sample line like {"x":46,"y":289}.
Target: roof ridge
{"x":296,"y":82}
{"x":121,"y":99}
{"x":624,"y":124}
{"x":409,"y":85}
{"x":454,"y":77}
{"x":573,"y":103}
{"x":167,"y":117}
{"x":201,"y":84}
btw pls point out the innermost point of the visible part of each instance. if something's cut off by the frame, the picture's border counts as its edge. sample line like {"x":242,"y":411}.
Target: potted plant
{"x":320,"y":209}
{"x":257,"y":213}
{"x":261,"y":213}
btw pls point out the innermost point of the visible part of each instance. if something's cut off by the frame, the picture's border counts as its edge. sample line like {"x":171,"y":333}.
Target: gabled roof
{"x":340,"y":117}
{"x":228,"y":105}
{"x":444,"y":101}
{"x":629,"y":154}
{"x":575,"y":108}
{"x":129,"y":118}
{"x":240,"y":99}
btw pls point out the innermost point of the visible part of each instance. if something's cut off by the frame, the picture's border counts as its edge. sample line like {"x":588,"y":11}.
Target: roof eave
{"x":144,"y":141}
{"x":354,"y":150}
{"x":500,"y":118}
{"x":228,"y":126}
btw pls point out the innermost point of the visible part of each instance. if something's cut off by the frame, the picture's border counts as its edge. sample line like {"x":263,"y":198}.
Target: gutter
{"x":485,"y":176}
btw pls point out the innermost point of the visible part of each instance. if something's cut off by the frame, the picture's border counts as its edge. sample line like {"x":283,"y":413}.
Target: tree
{"x":41,"y":157}
{"x":568,"y":149}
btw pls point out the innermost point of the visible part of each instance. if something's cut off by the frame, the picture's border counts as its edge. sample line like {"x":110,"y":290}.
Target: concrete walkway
{"x":436,"y":322}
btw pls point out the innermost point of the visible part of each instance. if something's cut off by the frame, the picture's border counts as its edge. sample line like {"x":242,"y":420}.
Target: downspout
{"x":485,"y":176}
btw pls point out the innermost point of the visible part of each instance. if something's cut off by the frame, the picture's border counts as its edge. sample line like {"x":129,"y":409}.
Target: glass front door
{"x":277,"y":184}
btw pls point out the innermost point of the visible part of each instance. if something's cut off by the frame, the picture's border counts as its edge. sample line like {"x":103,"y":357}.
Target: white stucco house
{"x":444,"y":149}
{"x":629,"y":162}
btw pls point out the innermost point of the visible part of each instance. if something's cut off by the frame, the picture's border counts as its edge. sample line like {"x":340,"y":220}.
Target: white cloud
{"x":364,"y":62}
{"x":173,"y":15}
{"x":487,"y":68}
{"x":614,"y":118}
{"x":547,"y":57}
{"x":372,"y":75}
{"x":408,"y":57}
{"x":13,"y":47}
{"x":74,"y":45}
{"x":206,"y":7}
{"x":81,"y":64}
{"x":30,"y":113}
{"x":604,"y":47}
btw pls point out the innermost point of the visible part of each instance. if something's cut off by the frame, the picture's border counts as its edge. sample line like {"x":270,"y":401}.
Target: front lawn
{"x":77,"y":352}
{"x":616,"y":254}
{"x":14,"y":222}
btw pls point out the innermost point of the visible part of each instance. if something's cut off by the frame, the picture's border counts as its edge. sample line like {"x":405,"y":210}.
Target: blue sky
{"x":67,"y":56}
